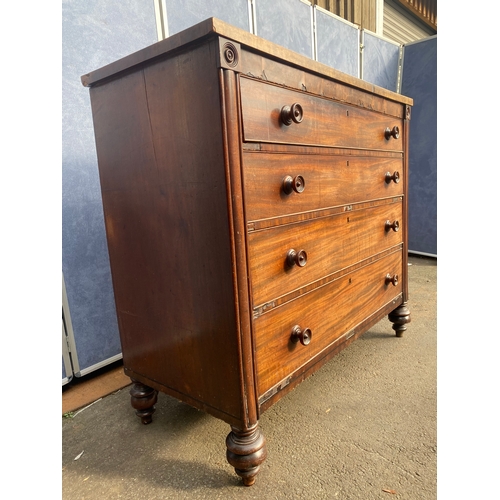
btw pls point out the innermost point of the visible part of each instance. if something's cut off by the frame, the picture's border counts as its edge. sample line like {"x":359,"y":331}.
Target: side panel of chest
{"x":161,"y":157}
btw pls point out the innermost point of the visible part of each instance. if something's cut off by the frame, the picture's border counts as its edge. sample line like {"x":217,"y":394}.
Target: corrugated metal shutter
{"x":402,"y":27}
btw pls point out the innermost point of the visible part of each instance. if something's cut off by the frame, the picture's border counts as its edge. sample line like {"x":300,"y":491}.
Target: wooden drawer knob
{"x":391,"y":279}
{"x":296,"y":258}
{"x":303,"y":336}
{"x":392,"y":133}
{"x":293,"y":113}
{"x":291,"y":184}
{"x":392,"y":177}
{"x":392,"y":225}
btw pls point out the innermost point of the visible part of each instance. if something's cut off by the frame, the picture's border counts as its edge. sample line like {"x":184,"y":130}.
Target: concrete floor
{"x":362,"y":427}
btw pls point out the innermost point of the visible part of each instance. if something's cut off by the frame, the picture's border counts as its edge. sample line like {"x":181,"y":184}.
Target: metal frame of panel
{"x":161,"y":19}
{"x":69,"y":345}
{"x":66,"y":360}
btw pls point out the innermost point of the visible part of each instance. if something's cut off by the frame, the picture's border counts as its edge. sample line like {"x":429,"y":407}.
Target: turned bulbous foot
{"x":246,"y":450}
{"x":400,"y":317}
{"x":143,"y":399}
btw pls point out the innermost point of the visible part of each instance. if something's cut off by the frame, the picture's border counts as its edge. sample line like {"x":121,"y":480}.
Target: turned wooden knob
{"x":392,"y":225}
{"x":293,"y":113}
{"x":303,"y":336}
{"x":392,"y":133}
{"x":291,"y":184}
{"x":296,"y":258}
{"x":392,"y":177}
{"x":391,"y":279}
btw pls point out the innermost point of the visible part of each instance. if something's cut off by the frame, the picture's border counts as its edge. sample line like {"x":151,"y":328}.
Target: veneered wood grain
{"x":331,"y":243}
{"x":329,"y":312}
{"x":325,"y":122}
{"x":330,"y":181}
{"x":282,"y":389}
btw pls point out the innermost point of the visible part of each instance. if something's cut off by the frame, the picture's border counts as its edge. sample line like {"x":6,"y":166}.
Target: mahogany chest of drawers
{"x":255,"y":206}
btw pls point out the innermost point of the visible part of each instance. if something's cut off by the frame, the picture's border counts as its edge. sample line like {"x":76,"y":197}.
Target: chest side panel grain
{"x":160,"y":147}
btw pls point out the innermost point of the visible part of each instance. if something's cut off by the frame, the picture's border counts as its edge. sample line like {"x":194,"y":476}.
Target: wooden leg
{"x":246,"y":450}
{"x":400,"y":317}
{"x":143,"y":399}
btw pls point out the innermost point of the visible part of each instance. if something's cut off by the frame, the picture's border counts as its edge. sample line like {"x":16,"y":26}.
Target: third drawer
{"x":322,"y":247}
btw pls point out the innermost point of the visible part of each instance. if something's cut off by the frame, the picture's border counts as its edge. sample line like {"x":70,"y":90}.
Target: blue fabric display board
{"x":287,"y":23}
{"x":419,"y":81}
{"x":337,"y":43}
{"x":380,"y":61}
{"x":95,"y":33}
{"x":182,"y":14}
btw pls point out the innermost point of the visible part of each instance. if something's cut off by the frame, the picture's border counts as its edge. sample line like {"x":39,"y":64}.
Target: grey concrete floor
{"x":362,"y":427}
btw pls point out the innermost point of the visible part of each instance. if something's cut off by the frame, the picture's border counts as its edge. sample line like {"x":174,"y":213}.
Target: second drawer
{"x":322,"y":247}
{"x":324,"y":181}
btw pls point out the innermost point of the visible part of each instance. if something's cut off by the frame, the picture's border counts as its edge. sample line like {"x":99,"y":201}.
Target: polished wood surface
{"x":256,"y":207}
{"x":330,"y":181}
{"x":331,"y":243}
{"x":330,"y":312}
{"x":168,"y":235}
{"x":325,"y":122}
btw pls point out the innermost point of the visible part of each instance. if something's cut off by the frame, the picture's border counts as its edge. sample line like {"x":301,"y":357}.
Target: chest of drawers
{"x":255,"y":205}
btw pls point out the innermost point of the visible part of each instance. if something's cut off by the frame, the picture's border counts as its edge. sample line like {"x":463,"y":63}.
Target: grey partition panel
{"x":380,"y":58}
{"x":182,"y":14}
{"x":94,"y":33}
{"x":287,"y":23}
{"x":337,"y":43}
{"x":419,"y":81}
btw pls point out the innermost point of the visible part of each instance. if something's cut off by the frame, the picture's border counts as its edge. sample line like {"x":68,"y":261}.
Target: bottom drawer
{"x":326,"y":313}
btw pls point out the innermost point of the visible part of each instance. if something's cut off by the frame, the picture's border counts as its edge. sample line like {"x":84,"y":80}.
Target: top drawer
{"x":323,"y":122}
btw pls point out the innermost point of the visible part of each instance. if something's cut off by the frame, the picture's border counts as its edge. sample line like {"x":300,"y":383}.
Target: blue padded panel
{"x":419,"y":81}
{"x":286,"y":23}
{"x":182,"y":14}
{"x":337,"y":44}
{"x":95,"y":33}
{"x":380,"y":61}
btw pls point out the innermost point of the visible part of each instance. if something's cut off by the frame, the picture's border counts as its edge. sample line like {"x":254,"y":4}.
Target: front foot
{"x":143,"y":399}
{"x":246,"y":450}
{"x":400,"y":317}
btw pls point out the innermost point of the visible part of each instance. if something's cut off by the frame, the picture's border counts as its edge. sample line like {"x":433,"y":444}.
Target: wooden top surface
{"x":213,"y":27}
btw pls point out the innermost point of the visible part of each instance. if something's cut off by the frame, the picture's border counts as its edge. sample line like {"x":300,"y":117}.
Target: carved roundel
{"x":408,"y":112}
{"x":230,"y":54}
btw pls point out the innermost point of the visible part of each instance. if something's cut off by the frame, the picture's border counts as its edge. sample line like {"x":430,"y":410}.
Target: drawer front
{"x":324,"y":122}
{"x":326,"y":181}
{"x":328,"y":312}
{"x":330,"y":244}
